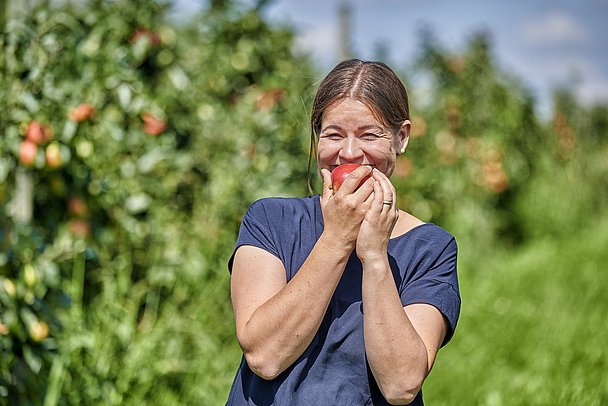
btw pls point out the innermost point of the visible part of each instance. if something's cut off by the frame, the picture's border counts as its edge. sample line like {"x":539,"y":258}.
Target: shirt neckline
{"x":406,"y":234}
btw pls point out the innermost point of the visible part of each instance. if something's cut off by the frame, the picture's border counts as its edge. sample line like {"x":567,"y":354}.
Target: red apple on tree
{"x":77,"y":207}
{"x":339,"y":174}
{"x":27,"y":152}
{"x":81,"y":113}
{"x":79,"y":227}
{"x":38,"y":133}
{"x":152,"y":124}
{"x":152,"y":37}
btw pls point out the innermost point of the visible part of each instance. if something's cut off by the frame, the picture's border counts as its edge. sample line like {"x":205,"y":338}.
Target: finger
{"x":376,"y":203}
{"x":388,"y":191}
{"x":366,"y":191}
{"x":327,"y":186}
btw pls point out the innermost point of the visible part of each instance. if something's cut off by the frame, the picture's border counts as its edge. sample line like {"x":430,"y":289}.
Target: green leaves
{"x":147,"y":141}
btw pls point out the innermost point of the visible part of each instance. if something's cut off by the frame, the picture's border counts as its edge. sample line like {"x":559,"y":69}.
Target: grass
{"x":533,"y":328}
{"x":533,"y":331}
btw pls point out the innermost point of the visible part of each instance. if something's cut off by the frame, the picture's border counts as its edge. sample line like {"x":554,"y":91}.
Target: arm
{"x":275,"y":320}
{"x":400,"y":343}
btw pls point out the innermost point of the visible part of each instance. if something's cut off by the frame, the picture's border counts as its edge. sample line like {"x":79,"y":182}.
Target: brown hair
{"x":372,"y":83}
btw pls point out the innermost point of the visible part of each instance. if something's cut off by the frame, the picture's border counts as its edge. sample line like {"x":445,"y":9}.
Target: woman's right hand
{"x":344,"y":211}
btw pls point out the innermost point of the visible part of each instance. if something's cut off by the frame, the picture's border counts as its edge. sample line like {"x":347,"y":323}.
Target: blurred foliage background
{"x":132,"y":144}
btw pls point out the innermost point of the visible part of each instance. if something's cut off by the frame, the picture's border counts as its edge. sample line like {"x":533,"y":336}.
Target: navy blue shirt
{"x":333,"y":369}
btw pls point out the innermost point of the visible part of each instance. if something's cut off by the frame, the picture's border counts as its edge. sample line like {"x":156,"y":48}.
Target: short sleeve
{"x":438,"y":286}
{"x":255,"y":230}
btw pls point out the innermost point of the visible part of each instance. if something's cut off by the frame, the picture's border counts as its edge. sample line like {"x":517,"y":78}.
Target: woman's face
{"x":351,"y":134}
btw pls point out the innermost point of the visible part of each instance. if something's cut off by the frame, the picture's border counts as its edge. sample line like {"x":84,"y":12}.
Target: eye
{"x":369,"y":136}
{"x":331,"y":136}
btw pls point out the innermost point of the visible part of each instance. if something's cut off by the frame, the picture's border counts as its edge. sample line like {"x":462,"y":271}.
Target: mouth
{"x":332,"y":167}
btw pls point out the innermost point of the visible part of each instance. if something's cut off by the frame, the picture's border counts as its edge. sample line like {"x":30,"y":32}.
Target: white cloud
{"x":593,"y":84}
{"x":555,"y":28}
{"x":321,"y":41}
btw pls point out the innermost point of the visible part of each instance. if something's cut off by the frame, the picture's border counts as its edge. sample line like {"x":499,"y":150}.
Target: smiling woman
{"x":348,"y":137}
{"x":305,"y":269}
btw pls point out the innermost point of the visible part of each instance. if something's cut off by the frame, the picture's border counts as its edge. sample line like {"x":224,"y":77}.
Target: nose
{"x":350,"y":151}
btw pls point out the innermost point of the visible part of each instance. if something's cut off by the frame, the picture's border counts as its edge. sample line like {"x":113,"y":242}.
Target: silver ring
{"x":387,"y":202}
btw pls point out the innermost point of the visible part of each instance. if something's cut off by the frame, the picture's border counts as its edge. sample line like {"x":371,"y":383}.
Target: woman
{"x":342,"y":298}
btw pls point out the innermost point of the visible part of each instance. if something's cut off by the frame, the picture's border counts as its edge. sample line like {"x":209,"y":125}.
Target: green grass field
{"x":533,"y":328}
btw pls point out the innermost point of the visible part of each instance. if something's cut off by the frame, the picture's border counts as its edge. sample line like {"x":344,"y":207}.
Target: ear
{"x":403,"y":137}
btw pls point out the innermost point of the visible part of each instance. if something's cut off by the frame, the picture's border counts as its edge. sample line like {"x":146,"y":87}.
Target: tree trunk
{"x":22,"y":205}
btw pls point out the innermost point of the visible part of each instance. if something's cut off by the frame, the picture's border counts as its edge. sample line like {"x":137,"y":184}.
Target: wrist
{"x":336,"y":245}
{"x":374,"y":262}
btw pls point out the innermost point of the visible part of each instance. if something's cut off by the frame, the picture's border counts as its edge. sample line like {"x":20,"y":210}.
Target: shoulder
{"x":435,"y":234}
{"x":427,"y":234}
{"x":425,"y":245}
{"x":438,"y":243}
{"x":282,"y":206}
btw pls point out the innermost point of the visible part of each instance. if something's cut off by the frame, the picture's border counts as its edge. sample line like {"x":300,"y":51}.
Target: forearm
{"x":280,"y":330}
{"x":396,"y":353}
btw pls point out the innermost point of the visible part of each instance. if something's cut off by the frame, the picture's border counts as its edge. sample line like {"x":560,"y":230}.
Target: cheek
{"x":384,"y":152}
{"x":384,"y":158}
{"x":327,"y":150}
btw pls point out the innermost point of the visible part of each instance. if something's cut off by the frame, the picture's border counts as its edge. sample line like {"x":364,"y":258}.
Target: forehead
{"x":349,"y":112}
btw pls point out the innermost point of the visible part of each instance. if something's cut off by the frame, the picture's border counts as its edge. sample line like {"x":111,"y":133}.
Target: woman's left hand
{"x":376,"y":229}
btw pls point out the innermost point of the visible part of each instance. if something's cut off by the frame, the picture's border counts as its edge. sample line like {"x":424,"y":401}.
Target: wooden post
{"x":345,"y":22}
{"x":22,"y":205}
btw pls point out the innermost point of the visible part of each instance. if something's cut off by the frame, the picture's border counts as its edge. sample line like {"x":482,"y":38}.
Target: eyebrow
{"x":362,"y":128}
{"x":371,"y":127}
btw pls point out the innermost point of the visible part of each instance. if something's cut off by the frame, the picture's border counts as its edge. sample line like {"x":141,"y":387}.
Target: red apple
{"x":27,"y":152}
{"x":269,"y":98}
{"x":152,"y":124}
{"x":81,"y":113}
{"x":339,"y":174}
{"x":38,"y":133}
{"x":79,"y":227}
{"x":152,"y":37}
{"x":77,"y":207}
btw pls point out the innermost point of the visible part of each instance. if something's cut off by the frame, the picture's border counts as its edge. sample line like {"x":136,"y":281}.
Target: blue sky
{"x":546,"y":43}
